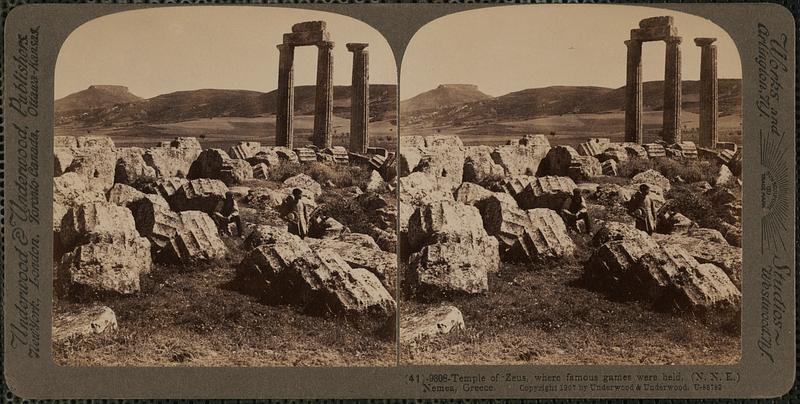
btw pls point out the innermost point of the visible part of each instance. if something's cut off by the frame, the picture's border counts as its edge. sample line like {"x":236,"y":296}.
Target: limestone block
{"x":131,"y":167}
{"x":235,"y":171}
{"x":544,"y":237}
{"x":96,"y":221}
{"x":310,"y":188}
{"x":171,"y":161}
{"x":62,"y":158}
{"x":197,"y":239}
{"x":546,"y":192}
{"x":652,"y":177}
{"x":244,"y":150}
{"x":382,"y":264}
{"x":83,"y":321}
{"x":450,"y":267}
{"x":260,"y":171}
{"x":186,"y":143}
{"x":124,"y":195}
{"x":326,"y":283}
{"x":522,"y":159}
{"x":479,"y":165}
{"x":419,"y":187}
{"x":429,"y":323}
{"x":203,"y":194}
{"x":107,"y":266}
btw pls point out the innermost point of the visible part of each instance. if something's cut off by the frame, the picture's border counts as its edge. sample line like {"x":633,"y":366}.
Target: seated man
{"x":228,"y":212}
{"x":574,"y":210}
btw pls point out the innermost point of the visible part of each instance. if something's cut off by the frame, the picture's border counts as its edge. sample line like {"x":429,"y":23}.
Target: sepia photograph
{"x":570,"y":188}
{"x":225,"y":190}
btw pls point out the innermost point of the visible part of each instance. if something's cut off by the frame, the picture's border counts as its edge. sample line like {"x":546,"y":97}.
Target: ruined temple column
{"x":359,"y":99}
{"x":633,"y":93}
{"x":672,"y":91}
{"x":284,"y":120}
{"x":708,"y":92}
{"x":323,"y":112}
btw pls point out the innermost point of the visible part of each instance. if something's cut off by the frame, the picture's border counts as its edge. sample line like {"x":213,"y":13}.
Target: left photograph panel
{"x":224,"y":190}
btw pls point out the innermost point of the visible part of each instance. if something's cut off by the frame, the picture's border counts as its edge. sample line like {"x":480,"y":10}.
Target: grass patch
{"x":341,"y":175}
{"x":688,"y":170}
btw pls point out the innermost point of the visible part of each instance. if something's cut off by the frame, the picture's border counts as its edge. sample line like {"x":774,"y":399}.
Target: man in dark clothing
{"x":298,"y":213}
{"x":228,"y":212}
{"x":643,"y":209}
{"x":574,"y":210}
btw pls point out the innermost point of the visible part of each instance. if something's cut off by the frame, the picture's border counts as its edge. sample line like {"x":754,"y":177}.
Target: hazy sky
{"x":162,"y":50}
{"x":505,"y":49}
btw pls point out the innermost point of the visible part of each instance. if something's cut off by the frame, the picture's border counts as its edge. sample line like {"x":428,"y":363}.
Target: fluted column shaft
{"x":633,"y":93}
{"x":672,"y":92}
{"x":284,"y":120}
{"x":359,"y":99}
{"x":323,"y":113}
{"x":709,"y":101}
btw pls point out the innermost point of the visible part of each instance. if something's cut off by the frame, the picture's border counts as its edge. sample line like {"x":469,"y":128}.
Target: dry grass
{"x":543,"y":315}
{"x":194,"y":316}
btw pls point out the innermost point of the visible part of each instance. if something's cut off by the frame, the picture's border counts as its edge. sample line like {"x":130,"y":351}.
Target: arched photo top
{"x":161,"y":50}
{"x":203,"y":71}
{"x":510,"y":48}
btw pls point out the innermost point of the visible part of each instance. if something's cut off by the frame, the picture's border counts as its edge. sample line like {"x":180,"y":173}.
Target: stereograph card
{"x":418,"y":201}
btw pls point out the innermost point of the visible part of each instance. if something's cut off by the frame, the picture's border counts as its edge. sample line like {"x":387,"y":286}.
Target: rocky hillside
{"x":211,"y":103}
{"x":97,"y":96}
{"x":443,"y":96}
{"x":559,"y":100}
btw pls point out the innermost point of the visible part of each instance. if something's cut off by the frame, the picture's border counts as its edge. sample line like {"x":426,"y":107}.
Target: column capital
{"x":704,"y":41}
{"x":325,"y":44}
{"x":633,"y":42}
{"x":673,"y":40}
{"x":357,"y":47}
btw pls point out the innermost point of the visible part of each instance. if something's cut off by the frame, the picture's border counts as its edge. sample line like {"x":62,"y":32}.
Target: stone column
{"x":672,"y":91}
{"x":284,"y":119}
{"x":708,"y":92}
{"x":633,"y":93}
{"x":323,"y":112}
{"x":359,"y":99}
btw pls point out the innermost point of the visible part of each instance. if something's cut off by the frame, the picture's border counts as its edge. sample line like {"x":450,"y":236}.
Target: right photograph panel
{"x":570,"y":188}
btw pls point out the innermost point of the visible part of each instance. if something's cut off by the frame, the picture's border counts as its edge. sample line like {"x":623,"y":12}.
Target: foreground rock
{"x":359,"y":253}
{"x":544,"y":237}
{"x":319,"y":281}
{"x":709,"y":249}
{"x":106,"y":266}
{"x":197,"y":239}
{"x":453,"y":267}
{"x":635,"y":266}
{"x":71,"y":189}
{"x":96,"y":221}
{"x":84,"y":321}
{"x":434,"y":321}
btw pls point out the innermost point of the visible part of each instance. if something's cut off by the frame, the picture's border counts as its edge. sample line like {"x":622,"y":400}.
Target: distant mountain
{"x":559,"y":100}
{"x":443,"y":96}
{"x":212,"y":103}
{"x":97,"y":96}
